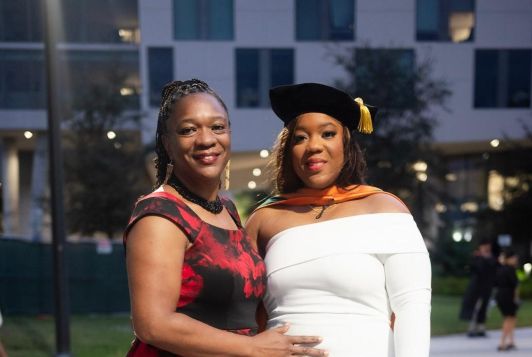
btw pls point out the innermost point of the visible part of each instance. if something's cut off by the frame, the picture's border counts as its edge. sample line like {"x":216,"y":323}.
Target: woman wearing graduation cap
{"x":344,"y":260}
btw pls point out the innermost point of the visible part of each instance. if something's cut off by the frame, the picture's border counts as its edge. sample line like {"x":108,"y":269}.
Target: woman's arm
{"x":259,"y":228}
{"x":408,"y":283}
{"x":155,"y":254}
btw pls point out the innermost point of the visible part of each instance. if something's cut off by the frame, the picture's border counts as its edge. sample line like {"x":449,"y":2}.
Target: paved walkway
{"x":462,"y":346}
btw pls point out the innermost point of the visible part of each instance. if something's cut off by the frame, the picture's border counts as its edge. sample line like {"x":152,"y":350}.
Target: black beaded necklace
{"x":215,"y":206}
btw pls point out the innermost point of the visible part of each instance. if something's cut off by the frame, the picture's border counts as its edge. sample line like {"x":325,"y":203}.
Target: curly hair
{"x":171,"y":94}
{"x":285,"y":180}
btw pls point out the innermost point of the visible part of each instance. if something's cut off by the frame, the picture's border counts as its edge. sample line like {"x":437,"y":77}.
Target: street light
{"x":420,"y":166}
{"x":111,"y":135}
{"x":52,"y":27}
{"x":421,"y":176}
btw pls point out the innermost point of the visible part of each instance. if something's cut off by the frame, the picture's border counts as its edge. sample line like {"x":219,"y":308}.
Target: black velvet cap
{"x":289,"y":101}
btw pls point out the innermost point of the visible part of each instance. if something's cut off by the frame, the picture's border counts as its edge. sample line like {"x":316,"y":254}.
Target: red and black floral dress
{"x":223,"y":277}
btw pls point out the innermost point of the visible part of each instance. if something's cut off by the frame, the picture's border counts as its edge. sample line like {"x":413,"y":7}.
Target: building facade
{"x":243,"y":47}
{"x":92,"y":48}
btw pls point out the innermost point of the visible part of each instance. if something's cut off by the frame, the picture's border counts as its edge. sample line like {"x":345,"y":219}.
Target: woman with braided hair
{"x":195,"y":278}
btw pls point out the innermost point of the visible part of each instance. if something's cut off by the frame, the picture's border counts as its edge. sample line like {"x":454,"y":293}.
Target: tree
{"x":514,"y":164}
{"x":406,"y":94}
{"x":104,"y":174}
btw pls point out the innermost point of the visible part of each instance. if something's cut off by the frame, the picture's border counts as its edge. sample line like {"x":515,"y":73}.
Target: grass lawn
{"x":445,"y":316}
{"x":110,"y":336}
{"x":90,"y":336}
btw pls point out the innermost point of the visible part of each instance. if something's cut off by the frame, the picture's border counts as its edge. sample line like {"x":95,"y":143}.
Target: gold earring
{"x":169,"y":171}
{"x":227,"y":174}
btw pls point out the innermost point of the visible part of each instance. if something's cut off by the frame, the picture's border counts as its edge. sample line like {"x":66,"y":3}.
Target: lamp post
{"x":52,"y":23}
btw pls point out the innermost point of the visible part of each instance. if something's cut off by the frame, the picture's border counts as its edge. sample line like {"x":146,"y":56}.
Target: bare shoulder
{"x":385,"y":203}
{"x":262,"y":225}
{"x":256,"y":220}
{"x":154,"y":231}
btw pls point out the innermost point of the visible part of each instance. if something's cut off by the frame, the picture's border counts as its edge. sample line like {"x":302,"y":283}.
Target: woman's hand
{"x":274,"y":343}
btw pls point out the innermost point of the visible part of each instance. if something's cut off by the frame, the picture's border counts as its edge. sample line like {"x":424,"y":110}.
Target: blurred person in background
{"x":507,"y":297}
{"x":478,"y":293}
{"x":341,"y":257}
{"x":195,"y":278}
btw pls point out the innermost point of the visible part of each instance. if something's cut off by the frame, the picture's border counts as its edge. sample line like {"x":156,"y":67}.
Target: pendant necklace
{"x":319,"y":210}
{"x":215,"y":206}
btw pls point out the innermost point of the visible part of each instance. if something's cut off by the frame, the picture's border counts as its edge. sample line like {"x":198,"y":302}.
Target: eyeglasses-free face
{"x":317,"y":149}
{"x":198,"y":138}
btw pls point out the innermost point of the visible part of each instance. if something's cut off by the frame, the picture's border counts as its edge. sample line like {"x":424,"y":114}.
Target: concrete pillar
{"x":39,"y":179}
{"x":10,"y":187}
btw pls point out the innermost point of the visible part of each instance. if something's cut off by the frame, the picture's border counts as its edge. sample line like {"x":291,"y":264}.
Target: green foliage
{"x":406,"y":94}
{"x":450,"y":258}
{"x":449,"y":285}
{"x":246,"y":201}
{"x":515,"y":165}
{"x":103,"y":176}
{"x":456,"y":285}
{"x":525,"y":289}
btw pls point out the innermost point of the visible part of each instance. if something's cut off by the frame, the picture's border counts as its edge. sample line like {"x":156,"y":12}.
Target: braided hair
{"x":172,"y":92}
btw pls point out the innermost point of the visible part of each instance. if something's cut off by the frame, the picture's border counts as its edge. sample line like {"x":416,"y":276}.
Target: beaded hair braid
{"x":171,"y":94}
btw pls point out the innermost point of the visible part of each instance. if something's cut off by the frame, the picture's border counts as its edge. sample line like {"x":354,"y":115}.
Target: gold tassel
{"x":365,"y":125}
{"x":169,"y":171}
{"x":227,"y":174}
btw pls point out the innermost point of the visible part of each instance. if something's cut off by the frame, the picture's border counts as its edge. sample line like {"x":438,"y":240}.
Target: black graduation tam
{"x":289,"y":101}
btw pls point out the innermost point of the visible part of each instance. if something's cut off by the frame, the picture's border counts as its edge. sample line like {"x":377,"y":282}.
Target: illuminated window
{"x":495,"y":191}
{"x":100,"y":21}
{"x":445,"y":20}
{"x":83,"y":69}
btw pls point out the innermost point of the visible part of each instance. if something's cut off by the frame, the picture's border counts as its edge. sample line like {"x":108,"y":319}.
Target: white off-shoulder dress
{"x":341,"y":279}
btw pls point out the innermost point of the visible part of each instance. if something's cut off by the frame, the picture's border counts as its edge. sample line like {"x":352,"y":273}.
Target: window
{"x":22,"y":84}
{"x":445,"y":20}
{"x":21,"y":21}
{"x":84,"y":22}
{"x":160,"y":71}
{"x":203,"y":19}
{"x":22,"y":76}
{"x":257,"y":70}
{"x":375,"y":67}
{"x":502,"y":78}
{"x":101,"y":21}
{"x":86,"y":69}
{"x":325,"y":20}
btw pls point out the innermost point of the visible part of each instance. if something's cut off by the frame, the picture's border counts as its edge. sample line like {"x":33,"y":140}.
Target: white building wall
{"x":500,"y":24}
{"x":379,"y":23}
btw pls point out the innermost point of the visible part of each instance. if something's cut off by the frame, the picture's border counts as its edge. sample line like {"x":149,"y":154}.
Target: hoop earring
{"x":227,"y":174}
{"x":169,"y":171}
